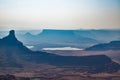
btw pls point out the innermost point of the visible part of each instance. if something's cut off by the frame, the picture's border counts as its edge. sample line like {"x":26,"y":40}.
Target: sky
{"x":59,"y":14}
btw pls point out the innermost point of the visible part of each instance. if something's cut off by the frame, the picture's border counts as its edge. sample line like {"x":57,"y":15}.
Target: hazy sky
{"x":59,"y":14}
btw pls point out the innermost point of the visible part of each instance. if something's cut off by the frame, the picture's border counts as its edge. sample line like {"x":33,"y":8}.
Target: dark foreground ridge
{"x":113,"y":45}
{"x":14,"y":54}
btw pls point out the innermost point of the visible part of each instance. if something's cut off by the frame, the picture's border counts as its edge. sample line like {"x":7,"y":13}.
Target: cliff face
{"x":14,"y":54}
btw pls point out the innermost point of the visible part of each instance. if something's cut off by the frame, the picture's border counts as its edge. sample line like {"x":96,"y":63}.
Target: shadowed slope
{"x":113,"y":45}
{"x":14,"y":54}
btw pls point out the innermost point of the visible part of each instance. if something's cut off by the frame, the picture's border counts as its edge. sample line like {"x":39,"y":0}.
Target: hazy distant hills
{"x":113,"y":45}
{"x":57,"y":38}
{"x":68,"y":38}
{"x":14,"y":54}
{"x":65,"y":38}
{"x":100,"y":35}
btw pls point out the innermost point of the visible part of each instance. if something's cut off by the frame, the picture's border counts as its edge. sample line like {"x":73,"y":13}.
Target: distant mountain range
{"x":65,"y":38}
{"x":56,"y":38}
{"x":113,"y":45}
{"x":14,"y":54}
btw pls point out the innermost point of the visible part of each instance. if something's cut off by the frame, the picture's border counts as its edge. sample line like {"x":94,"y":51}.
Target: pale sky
{"x":59,"y":14}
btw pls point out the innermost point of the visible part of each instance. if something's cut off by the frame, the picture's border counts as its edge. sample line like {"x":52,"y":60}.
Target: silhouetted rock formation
{"x":10,"y":40}
{"x":113,"y":45}
{"x":14,"y":54}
